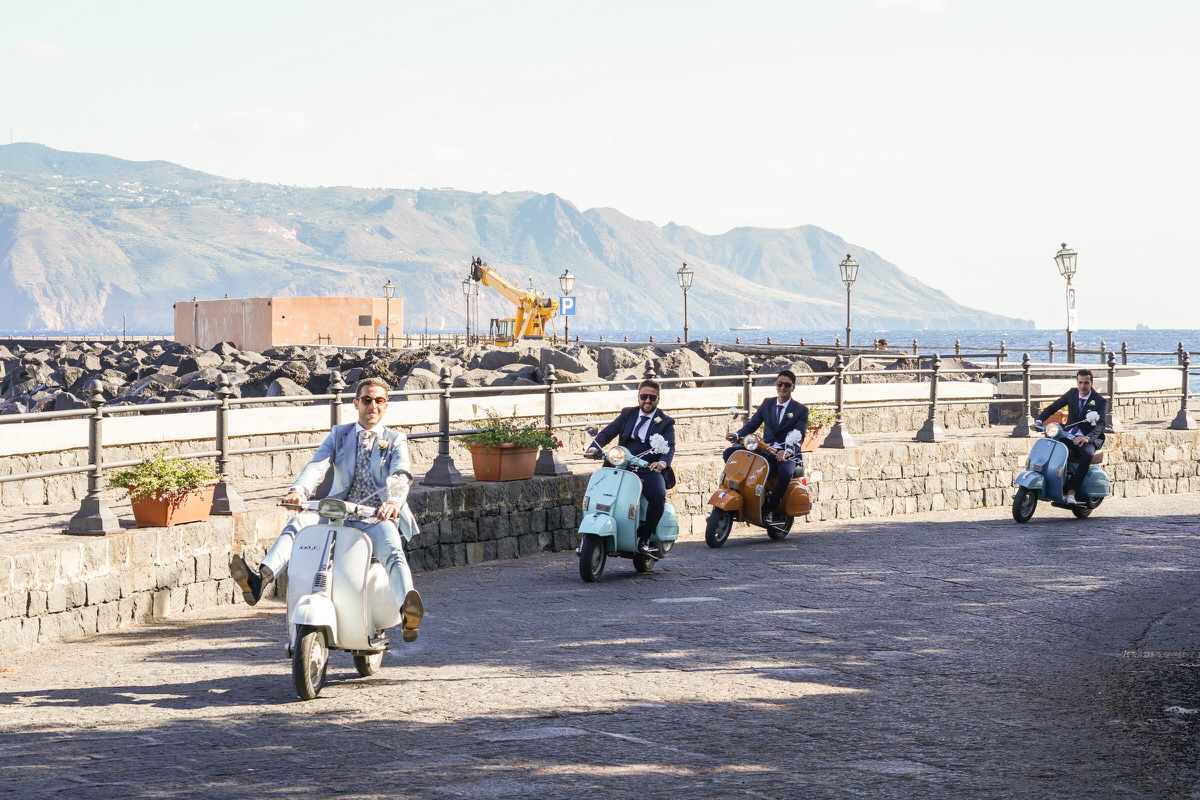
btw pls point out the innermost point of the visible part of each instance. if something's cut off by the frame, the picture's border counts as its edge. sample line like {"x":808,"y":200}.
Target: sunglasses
{"x":382,"y":401}
{"x":784,"y":384}
{"x":647,"y":397}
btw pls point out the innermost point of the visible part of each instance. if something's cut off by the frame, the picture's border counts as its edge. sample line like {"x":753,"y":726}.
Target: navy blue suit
{"x":654,"y":484}
{"x":1094,"y":433}
{"x":775,"y":433}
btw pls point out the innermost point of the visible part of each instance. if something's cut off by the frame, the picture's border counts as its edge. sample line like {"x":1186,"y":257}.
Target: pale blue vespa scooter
{"x":1046,"y":472}
{"x":613,"y":508}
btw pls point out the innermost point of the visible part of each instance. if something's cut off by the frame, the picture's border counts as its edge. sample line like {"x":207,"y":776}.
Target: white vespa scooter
{"x":338,"y":597}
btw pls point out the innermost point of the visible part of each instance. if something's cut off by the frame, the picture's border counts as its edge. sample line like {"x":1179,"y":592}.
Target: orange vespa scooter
{"x":744,"y":486}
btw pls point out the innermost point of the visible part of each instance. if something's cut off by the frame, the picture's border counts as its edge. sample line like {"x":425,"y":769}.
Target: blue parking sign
{"x":566,"y":306}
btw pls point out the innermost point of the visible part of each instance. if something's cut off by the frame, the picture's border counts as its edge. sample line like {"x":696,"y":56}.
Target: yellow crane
{"x":533,"y":310}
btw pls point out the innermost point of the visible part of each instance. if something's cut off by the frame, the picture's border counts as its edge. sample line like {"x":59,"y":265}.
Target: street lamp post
{"x":466,"y":286}
{"x":389,"y":289}
{"x":566,"y":282}
{"x":685,"y":275}
{"x":849,"y":270}
{"x":1065,"y":258}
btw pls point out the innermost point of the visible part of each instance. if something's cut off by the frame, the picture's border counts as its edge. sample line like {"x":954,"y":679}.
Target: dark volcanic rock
{"x":285,"y":387}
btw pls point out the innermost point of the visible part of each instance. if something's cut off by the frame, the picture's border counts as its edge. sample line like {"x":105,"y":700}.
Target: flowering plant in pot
{"x":165,"y":489}
{"x":820,"y":417}
{"x":505,"y":448}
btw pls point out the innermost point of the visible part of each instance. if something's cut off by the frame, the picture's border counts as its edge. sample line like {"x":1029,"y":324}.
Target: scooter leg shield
{"x":726,"y":500}
{"x":1033,"y":481}
{"x":317,"y":611}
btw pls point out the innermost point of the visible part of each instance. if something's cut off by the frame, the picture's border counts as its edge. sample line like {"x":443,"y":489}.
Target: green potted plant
{"x":820,"y":417}
{"x":505,"y":448}
{"x":166,"y":490}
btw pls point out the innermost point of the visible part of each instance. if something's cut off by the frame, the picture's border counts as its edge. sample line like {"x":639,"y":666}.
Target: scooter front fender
{"x":727,"y":500}
{"x":317,"y":611}
{"x":599,"y":524}
{"x":1033,"y":481}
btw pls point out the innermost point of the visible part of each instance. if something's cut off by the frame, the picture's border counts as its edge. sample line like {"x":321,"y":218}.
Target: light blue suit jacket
{"x":340,"y":448}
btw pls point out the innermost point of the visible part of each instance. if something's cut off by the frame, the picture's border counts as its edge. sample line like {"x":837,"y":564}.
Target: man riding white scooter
{"x":364,"y":455}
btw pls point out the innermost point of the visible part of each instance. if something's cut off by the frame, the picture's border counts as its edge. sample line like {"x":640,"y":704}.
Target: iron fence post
{"x":1103,"y":352}
{"x":226,"y":500}
{"x":336,"y":386}
{"x":1051,"y":350}
{"x":548,"y":461}
{"x":914,"y":347}
{"x":1112,"y":423}
{"x":957,"y":347}
{"x":1182,"y":421}
{"x":443,"y":472}
{"x":1002,"y":356}
{"x":1124,"y":352}
{"x":747,"y":384}
{"x":94,"y":517}
{"x":839,"y":437}
{"x":932,"y":431}
{"x":1024,"y":427}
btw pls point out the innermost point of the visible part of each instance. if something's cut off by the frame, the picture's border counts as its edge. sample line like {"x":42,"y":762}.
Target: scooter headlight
{"x":616,"y":456}
{"x":1052,"y":430}
{"x":751,"y":442}
{"x":331,"y":508}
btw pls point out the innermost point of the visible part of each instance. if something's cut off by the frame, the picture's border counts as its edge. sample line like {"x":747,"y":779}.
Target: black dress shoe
{"x":248,"y":580}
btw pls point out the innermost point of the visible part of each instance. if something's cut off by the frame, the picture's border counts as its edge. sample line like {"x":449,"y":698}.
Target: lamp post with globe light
{"x":566,"y":282}
{"x":685,"y":275}
{"x":389,"y":289}
{"x":849,"y":270}
{"x":466,"y":287}
{"x":1065,"y":258}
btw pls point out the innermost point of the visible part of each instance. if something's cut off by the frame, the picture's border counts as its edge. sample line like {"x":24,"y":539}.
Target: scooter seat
{"x":1097,"y":459}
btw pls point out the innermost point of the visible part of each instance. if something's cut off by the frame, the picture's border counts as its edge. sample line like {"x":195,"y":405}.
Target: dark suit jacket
{"x":795,"y":418}
{"x":1070,"y":401}
{"x":622,"y":427}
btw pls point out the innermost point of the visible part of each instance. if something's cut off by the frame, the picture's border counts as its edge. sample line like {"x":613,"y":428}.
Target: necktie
{"x":779,"y":416}
{"x":639,"y":430}
{"x":362,"y":486}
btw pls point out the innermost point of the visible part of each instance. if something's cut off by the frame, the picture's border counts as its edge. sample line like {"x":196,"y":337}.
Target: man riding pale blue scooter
{"x":1088,"y":431}
{"x":364,"y":455}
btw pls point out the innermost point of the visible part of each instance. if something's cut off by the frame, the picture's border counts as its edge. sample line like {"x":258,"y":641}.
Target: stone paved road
{"x":930,"y":656}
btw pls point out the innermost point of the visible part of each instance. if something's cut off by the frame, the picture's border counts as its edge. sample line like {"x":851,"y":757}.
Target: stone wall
{"x":62,"y":587}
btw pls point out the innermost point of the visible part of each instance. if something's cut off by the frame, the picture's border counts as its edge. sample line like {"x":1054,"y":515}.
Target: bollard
{"x":747,"y":383}
{"x":957,"y":347}
{"x":94,"y":517}
{"x":548,"y":461}
{"x":914,"y":347}
{"x":651,"y":339}
{"x":706,"y":340}
{"x":1051,"y":349}
{"x":226,"y":500}
{"x":1103,"y":353}
{"x":649,"y":374}
{"x":678,"y":340}
{"x":768,"y":340}
{"x":736,"y":340}
{"x":1112,"y":423}
{"x":839,"y":438}
{"x":336,"y":385}
{"x":931,"y":431}
{"x":1002,"y":356}
{"x":1182,"y":421}
{"x":837,"y":342}
{"x":443,"y":472}
{"x":802,"y":341}
{"x":1024,"y":428}
{"x":1124,"y":352}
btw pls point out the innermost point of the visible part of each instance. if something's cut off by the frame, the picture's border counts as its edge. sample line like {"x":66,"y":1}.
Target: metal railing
{"x":95,"y":517}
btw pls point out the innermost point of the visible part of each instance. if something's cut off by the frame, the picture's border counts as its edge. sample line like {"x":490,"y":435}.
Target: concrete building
{"x":259,"y":323}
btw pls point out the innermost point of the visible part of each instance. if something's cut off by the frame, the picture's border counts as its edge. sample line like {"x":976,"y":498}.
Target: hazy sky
{"x":963,"y":141}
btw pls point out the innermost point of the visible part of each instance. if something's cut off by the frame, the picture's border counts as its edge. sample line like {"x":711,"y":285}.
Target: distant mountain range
{"x":86,"y":238}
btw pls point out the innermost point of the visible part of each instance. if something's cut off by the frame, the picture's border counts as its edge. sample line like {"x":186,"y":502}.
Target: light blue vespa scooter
{"x":613,"y":508}
{"x":1047,"y":471}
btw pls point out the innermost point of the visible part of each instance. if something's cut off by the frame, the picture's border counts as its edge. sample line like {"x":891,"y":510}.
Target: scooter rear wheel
{"x":368,"y":665}
{"x":592,"y":557}
{"x":780,"y":530}
{"x":1082,"y":512}
{"x":720,"y":523}
{"x":309,"y":661}
{"x":1024,"y":503}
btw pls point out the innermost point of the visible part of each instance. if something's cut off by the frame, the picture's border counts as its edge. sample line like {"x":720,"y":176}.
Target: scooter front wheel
{"x":720,"y":523}
{"x":1024,"y":502}
{"x":368,"y":665}
{"x":592,"y":557}
{"x":309,"y":661}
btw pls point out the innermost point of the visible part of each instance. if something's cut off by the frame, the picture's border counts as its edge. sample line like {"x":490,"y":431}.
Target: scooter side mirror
{"x":592,"y":431}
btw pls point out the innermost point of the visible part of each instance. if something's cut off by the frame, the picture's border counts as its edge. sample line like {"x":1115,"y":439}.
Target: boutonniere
{"x":657,"y":420}
{"x":382,"y":444}
{"x":1091,"y":402}
{"x":789,"y":415}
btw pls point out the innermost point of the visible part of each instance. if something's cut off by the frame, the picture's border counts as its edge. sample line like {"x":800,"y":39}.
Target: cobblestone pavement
{"x":937,"y":655}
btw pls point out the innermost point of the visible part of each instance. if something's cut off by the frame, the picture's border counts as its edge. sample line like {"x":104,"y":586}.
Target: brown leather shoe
{"x":410,"y":615}
{"x":248,"y":580}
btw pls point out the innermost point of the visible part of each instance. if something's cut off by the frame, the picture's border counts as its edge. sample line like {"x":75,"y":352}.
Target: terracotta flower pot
{"x":503,"y":462}
{"x":193,"y":506}
{"x":811,"y":439}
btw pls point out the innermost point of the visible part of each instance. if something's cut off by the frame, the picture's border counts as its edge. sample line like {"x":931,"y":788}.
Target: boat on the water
{"x":746,"y":326}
